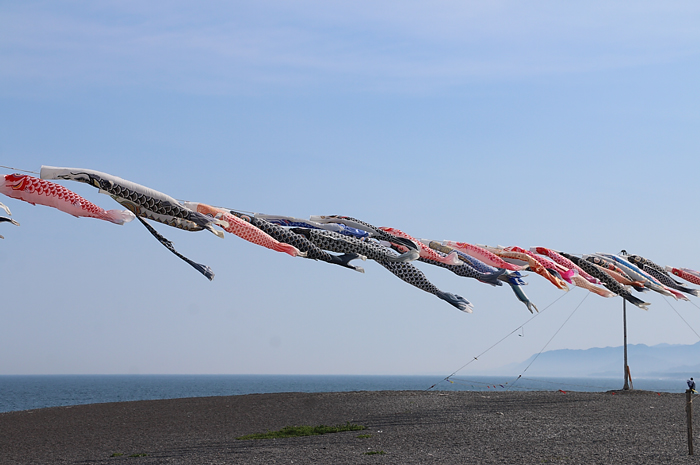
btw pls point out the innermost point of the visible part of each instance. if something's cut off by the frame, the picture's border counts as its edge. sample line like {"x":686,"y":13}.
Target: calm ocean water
{"x":39,"y":391}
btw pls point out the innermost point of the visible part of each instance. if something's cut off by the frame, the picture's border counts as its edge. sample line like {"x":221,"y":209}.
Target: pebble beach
{"x":407,"y":427}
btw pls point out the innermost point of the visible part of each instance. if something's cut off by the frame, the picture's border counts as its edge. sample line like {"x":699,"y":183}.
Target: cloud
{"x":232,"y":48}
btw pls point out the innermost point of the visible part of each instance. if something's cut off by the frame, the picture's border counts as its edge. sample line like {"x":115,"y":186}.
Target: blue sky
{"x":567,"y":126}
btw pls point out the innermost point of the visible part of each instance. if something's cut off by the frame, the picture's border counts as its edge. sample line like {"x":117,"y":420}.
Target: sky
{"x":567,"y":125}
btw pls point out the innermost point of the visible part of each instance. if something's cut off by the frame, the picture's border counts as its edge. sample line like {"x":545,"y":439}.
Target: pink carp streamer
{"x":582,"y":282}
{"x":532,"y":264}
{"x":244,"y":229}
{"x":566,"y":273}
{"x":38,"y":191}
{"x":565,"y":262}
{"x":484,"y":255}
{"x":425,"y":252}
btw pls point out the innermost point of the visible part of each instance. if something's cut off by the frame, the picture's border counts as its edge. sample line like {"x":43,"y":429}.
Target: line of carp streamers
{"x":606,"y":275}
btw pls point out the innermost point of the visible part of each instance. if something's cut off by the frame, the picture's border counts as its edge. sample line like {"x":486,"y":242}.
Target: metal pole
{"x":624,"y":329}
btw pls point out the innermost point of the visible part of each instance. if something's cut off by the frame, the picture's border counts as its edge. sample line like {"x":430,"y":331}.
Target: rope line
{"x":694,"y":304}
{"x":469,"y":381}
{"x":557,"y":383}
{"x":246,"y":212}
{"x":679,"y":316}
{"x":447,"y":378}
{"x":552,"y":338}
{"x":564,"y":384}
{"x":17,"y":169}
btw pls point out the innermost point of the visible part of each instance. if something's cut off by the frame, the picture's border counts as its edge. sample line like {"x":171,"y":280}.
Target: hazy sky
{"x":570,"y":126}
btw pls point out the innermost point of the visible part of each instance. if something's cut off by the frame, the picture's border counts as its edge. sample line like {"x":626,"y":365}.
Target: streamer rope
{"x":17,"y":169}
{"x":447,"y":378}
{"x":551,"y":338}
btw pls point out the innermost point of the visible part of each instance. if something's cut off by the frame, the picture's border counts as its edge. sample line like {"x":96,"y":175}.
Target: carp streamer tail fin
{"x":635,"y":301}
{"x":514,"y":278}
{"x":567,"y":275}
{"x":690,"y":291}
{"x":119,"y":216}
{"x":289,"y":249}
{"x":205,"y":270}
{"x":215,"y":231}
{"x":494,"y":278}
{"x":456,"y":301}
{"x":8,"y":220}
{"x":453,"y":258}
{"x":408,"y":256}
{"x":345,"y":259}
{"x":523,"y":298}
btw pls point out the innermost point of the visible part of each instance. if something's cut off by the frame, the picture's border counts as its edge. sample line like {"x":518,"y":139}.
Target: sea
{"x":28,"y":392}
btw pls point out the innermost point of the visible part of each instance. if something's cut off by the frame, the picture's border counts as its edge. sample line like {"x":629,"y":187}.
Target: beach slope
{"x":409,"y":427}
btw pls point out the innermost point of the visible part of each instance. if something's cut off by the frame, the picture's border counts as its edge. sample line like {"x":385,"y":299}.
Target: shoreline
{"x":26,"y":392}
{"x":407,"y":426}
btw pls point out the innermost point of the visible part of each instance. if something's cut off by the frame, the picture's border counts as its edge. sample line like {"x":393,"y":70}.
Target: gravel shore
{"x":407,"y":427}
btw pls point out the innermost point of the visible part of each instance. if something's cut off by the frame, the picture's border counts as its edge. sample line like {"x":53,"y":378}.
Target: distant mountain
{"x":662,"y":360}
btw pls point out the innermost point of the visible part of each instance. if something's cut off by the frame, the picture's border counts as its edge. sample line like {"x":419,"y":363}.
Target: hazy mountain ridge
{"x":662,"y":360}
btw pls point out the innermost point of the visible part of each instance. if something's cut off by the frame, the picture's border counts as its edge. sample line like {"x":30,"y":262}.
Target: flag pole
{"x":624,"y":330}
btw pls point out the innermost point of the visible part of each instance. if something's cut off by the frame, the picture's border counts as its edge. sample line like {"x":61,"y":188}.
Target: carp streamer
{"x":339,"y":240}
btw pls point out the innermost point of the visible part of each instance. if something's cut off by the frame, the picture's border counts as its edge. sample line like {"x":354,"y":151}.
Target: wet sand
{"x":408,"y":427}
